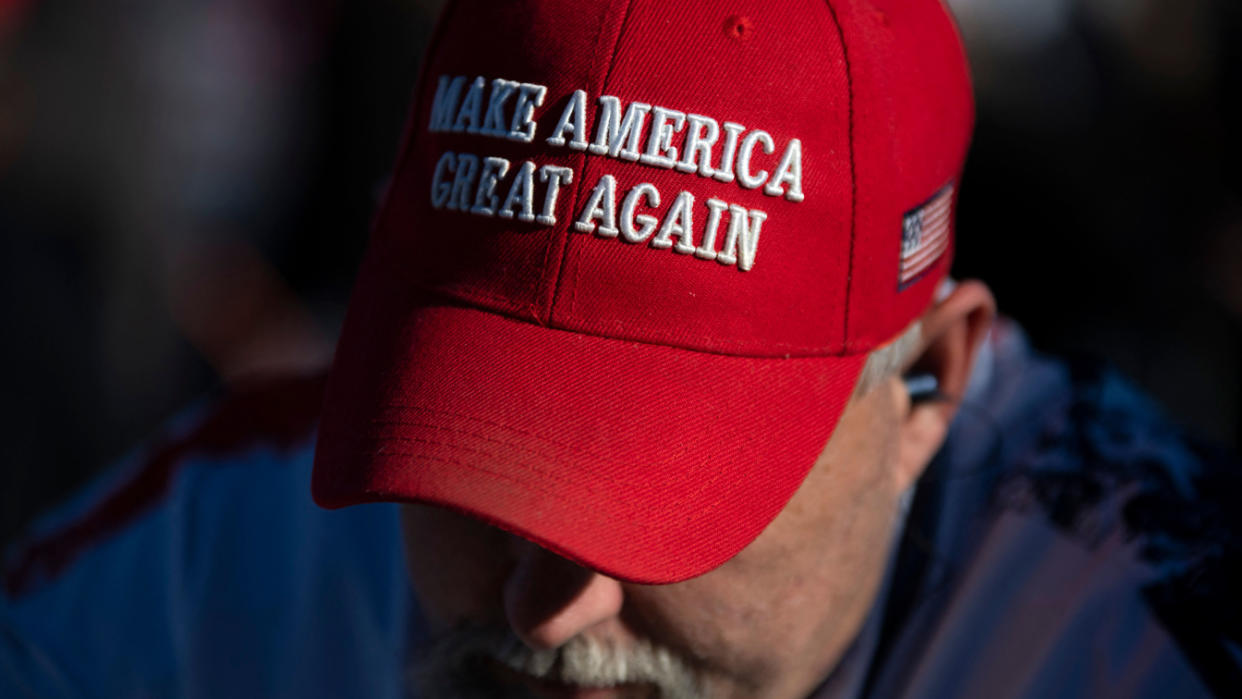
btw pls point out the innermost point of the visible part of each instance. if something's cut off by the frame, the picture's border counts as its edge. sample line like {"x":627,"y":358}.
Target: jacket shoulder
{"x":276,"y":414}
{"x":205,"y":569}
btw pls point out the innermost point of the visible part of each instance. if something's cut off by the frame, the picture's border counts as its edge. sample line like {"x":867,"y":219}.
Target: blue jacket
{"x":1066,"y":542}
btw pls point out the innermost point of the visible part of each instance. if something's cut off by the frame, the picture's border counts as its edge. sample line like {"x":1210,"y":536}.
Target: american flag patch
{"x":925,"y":235}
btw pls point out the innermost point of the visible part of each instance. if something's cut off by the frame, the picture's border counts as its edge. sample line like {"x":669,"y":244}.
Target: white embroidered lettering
{"x":788,"y":171}
{"x":602,"y":205}
{"x":660,"y":150}
{"x":697,"y":153}
{"x":440,"y":188}
{"x":494,"y":170}
{"x":616,"y":136}
{"x":472,"y":183}
{"x":573,"y":118}
{"x":742,"y":239}
{"x":469,"y":114}
{"x":521,"y":192}
{"x":724,"y":173}
{"x":494,"y":120}
{"x":467,"y":168}
{"x":529,"y":97}
{"x":444,"y":106}
{"x":555,"y":177}
{"x":707,"y":249}
{"x":647,"y":221}
{"x":678,"y":222}
{"x":744,"y":176}
{"x":607,"y":122}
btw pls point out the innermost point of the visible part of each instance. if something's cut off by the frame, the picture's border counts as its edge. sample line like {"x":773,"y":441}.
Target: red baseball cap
{"x":632,"y":260}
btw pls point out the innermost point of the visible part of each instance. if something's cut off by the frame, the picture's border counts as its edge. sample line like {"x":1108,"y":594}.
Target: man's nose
{"x":549,"y":600}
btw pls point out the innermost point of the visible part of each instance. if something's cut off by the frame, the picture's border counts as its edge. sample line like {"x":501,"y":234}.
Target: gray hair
{"x":889,"y":359}
{"x":453,"y":666}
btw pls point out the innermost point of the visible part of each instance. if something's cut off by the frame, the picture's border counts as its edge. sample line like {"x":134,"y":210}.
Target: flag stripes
{"x":925,"y":235}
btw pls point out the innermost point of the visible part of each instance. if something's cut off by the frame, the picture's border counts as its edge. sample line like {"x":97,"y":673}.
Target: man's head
{"x":770,"y":622}
{"x":631,"y":324}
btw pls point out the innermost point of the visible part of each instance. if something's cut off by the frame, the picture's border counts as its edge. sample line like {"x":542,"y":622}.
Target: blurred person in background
{"x":174,"y":181}
{"x":205,"y":550}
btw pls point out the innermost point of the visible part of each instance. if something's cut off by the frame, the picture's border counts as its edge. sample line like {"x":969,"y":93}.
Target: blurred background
{"x":186,"y":186}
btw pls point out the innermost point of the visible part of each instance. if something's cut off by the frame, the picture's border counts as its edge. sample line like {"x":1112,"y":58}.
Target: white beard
{"x":454,"y":666}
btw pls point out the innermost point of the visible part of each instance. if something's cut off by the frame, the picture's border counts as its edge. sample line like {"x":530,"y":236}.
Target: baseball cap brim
{"x":648,"y":463}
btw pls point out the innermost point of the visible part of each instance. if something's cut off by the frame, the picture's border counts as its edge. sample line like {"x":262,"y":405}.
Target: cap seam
{"x":849,"y":82}
{"x":491,"y":424}
{"x":503,"y":308}
{"x":611,"y":481}
{"x":784,"y":351}
{"x":524,"y":464}
{"x":641,"y":527}
{"x":532,"y":468}
{"x":583,"y":160}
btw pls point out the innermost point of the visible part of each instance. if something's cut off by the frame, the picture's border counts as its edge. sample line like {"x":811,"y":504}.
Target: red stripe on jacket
{"x":279,"y":412}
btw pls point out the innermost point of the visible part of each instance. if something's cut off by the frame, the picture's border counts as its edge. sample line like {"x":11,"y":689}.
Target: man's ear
{"x":953,"y":329}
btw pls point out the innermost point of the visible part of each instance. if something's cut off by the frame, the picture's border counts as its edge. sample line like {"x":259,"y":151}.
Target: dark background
{"x":185,"y":189}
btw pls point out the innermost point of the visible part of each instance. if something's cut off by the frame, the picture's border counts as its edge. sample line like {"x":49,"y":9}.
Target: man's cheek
{"x":449,"y":592}
{"x":728,"y":636}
